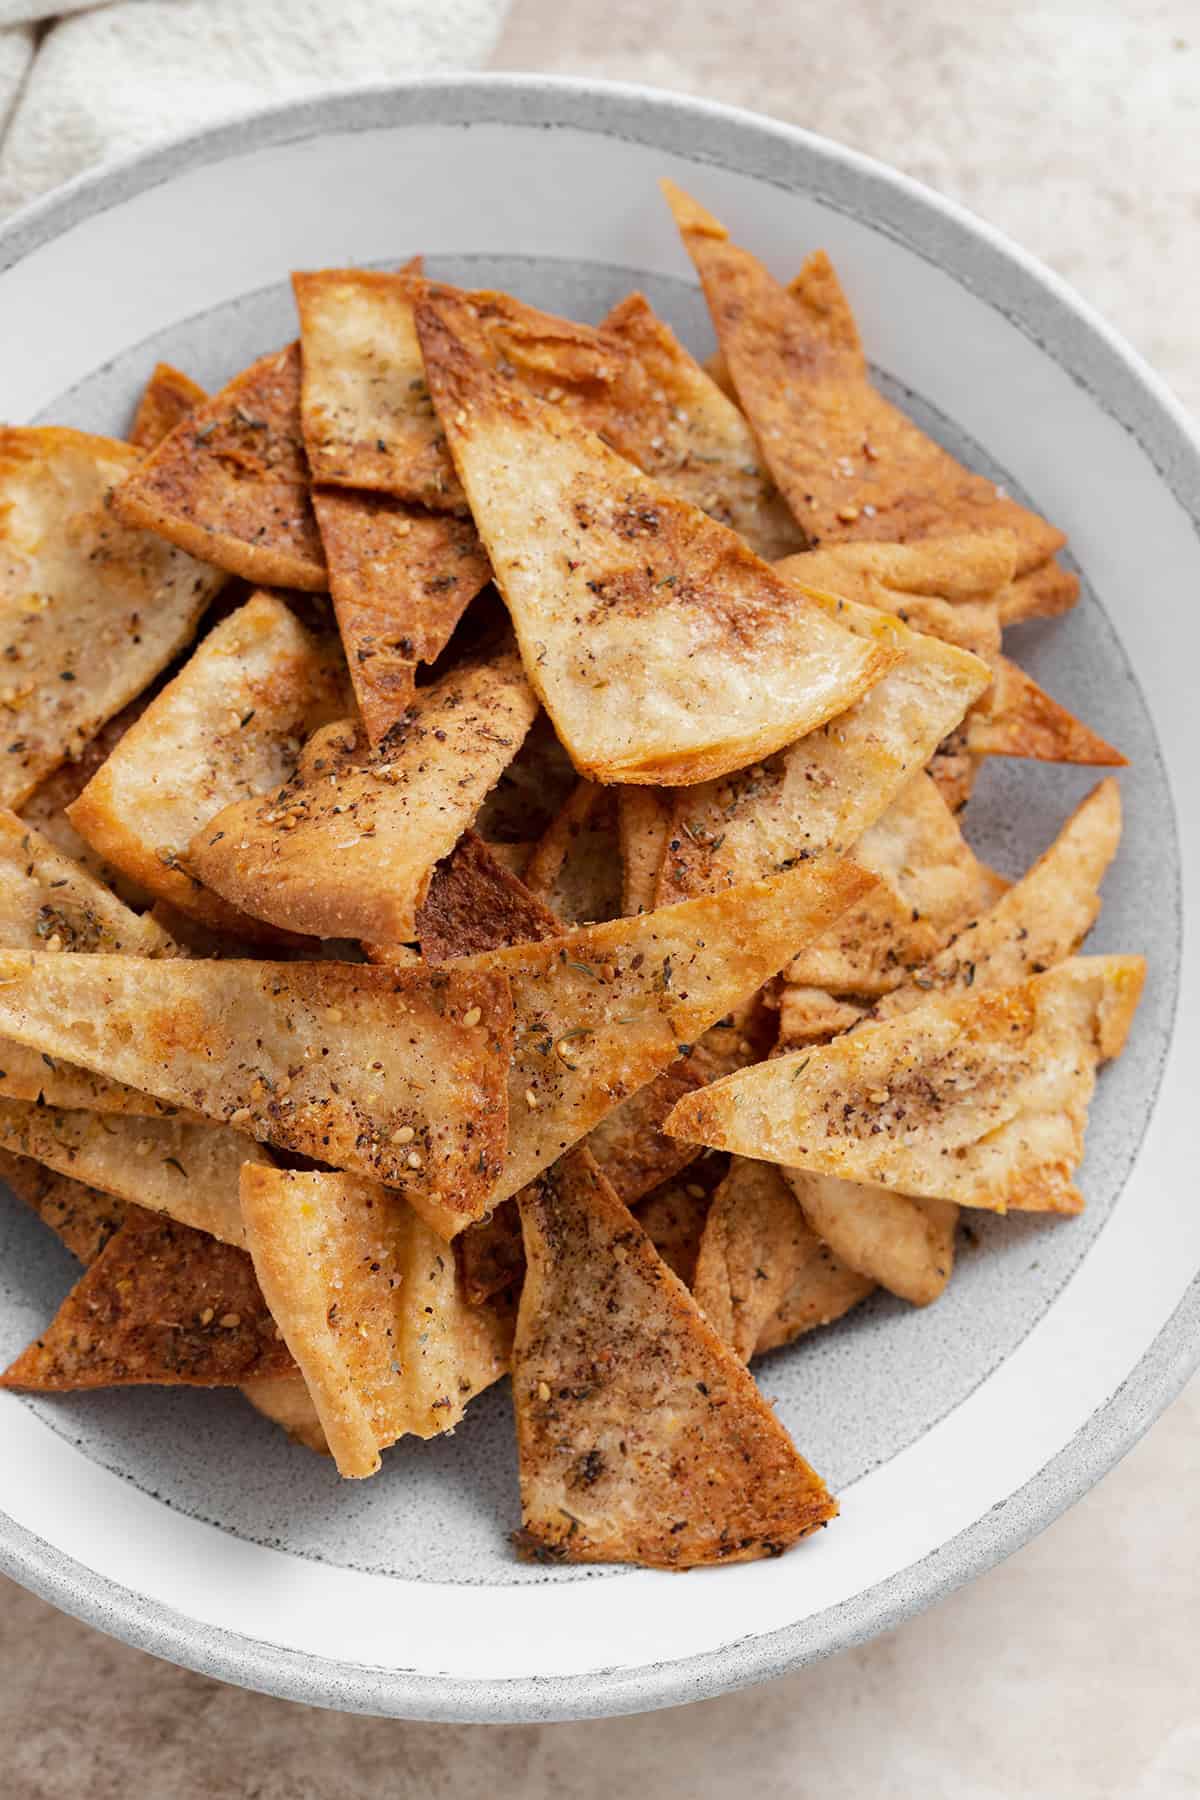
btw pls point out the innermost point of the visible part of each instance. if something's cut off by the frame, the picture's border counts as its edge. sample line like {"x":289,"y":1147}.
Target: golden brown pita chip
{"x":1018,"y":718}
{"x":1042,"y":919}
{"x":285,"y":1400}
{"x":904,"y":1244}
{"x":182,"y":1167}
{"x":824,"y":1290}
{"x":81,"y":1217}
{"x":970,"y":566}
{"x":979,"y":1098}
{"x":809,"y":1015}
{"x":641,"y":1439}
{"x":929,"y":884}
{"x":662,"y":648}
{"x":474,"y":903}
{"x":1042,"y":593}
{"x":347,"y":847}
{"x":401,"y":579}
{"x":643,"y":827}
{"x":93,"y":609}
{"x":167,"y":399}
{"x":674,"y":1215}
{"x":754,"y":1248}
{"x":231,"y":484}
{"x":46,"y":808}
{"x":825,"y":790}
{"x":599,"y":1012}
{"x":850,"y":464}
{"x":367,"y":1297}
{"x":399,"y":1073}
{"x":575,"y":867}
{"x":229,"y":727}
{"x":162,"y":1304}
{"x":368,"y":419}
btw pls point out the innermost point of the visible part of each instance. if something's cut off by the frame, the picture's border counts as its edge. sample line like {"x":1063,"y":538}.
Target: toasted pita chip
{"x":367,"y":1297}
{"x":641,"y":1439}
{"x":673,"y":1216}
{"x":281,"y":1050}
{"x":400,"y":579}
{"x":182,"y":1167}
{"x":529,"y":795}
{"x":167,"y":399}
{"x":160,"y":1304}
{"x":575,"y":867}
{"x":973,"y":625}
{"x":475,"y":904}
{"x":643,"y":827}
{"x":849,"y":463}
{"x":602,"y":1010}
{"x":228,"y":727}
{"x":368,"y":419}
{"x":347,"y":847}
{"x":904,"y":1244}
{"x":824,"y":1290}
{"x":980,"y":1098}
{"x":1018,"y":718}
{"x":1042,"y":593}
{"x":1042,"y":919}
{"x":968,"y":567}
{"x":81,"y":1217}
{"x":231,"y":484}
{"x":929,"y":885}
{"x":286,"y":1401}
{"x":825,"y":790}
{"x":94,"y":609}
{"x":754,"y":1248}
{"x":46,"y":807}
{"x":809,"y":1015}
{"x":662,"y":648}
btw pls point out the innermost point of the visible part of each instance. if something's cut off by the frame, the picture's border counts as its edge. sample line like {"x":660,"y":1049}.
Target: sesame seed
{"x":460,"y":417}
{"x":405,"y":1135}
{"x":472,"y":1016}
{"x":414,"y":1160}
{"x":240,"y":1117}
{"x":543,"y":1390}
{"x":206,"y":1317}
{"x":531,"y":1099}
{"x":229,"y":1321}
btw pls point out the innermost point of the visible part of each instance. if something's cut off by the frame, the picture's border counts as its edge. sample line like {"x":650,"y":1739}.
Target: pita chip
{"x":643,"y":827}
{"x":809,"y":1015}
{"x":979,"y":1098}
{"x":575,"y":867}
{"x":286,"y":1401}
{"x":1042,"y":593}
{"x":82,"y":1218}
{"x":661,"y":647}
{"x":280,"y":1051}
{"x":93,"y":609}
{"x":226,"y":729}
{"x":903,"y":1243}
{"x":823,"y":1291}
{"x":673,"y":1216}
{"x":167,"y":399}
{"x":367,"y":1299}
{"x":474,"y":903}
{"x":641,"y":1437}
{"x":1018,"y":718}
{"x":968,"y":566}
{"x":850,"y":464}
{"x":231,"y":484}
{"x":347,"y":847}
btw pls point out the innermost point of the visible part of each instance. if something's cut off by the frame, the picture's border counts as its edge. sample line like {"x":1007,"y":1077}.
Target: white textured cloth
{"x":109,"y":79}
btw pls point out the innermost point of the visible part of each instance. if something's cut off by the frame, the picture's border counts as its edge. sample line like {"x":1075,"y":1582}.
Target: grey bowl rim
{"x":1049,"y":312}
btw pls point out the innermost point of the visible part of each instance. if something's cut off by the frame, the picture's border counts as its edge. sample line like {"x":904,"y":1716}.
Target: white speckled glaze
{"x":181,"y":1522}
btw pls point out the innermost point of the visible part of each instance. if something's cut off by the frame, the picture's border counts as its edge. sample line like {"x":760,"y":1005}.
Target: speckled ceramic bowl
{"x":183,"y":1523}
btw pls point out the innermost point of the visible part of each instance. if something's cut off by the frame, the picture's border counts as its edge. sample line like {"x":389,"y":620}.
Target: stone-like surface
{"x":1069,"y":1673}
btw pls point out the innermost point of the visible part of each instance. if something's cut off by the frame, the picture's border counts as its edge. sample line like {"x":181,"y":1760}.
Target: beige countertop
{"x":1069,"y":1673}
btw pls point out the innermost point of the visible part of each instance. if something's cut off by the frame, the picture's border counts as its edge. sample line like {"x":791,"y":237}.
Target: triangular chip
{"x":929,"y":884}
{"x":1042,"y":593}
{"x":824,"y":1290}
{"x":662,"y":648}
{"x":286,"y":1401}
{"x":1018,"y":718}
{"x":904,"y":1244}
{"x":93,"y":608}
{"x":643,"y":827}
{"x":575,"y":867}
{"x":674,"y":1215}
{"x":967,"y":567}
{"x":400,"y":579}
{"x":979,"y":1098}
{"x":182,"y":1167}
{"x":810,"y":1015}
{"x":474,"y":903}
{"x":599,"y":1012}
{"x":46,"y":808}
{"x":395,"y":1073}
{"x":368,"y":419}
{"x":231,"y":485}
{"x":227,"y":728}
{"x":347,"y":847}
{"x":167,"y":399}
{"x":755,"y":1251}
{"x":850,"y":464}
{"x":161,"y":1303}
{"x":1042,"y":919}
{"x":81,"y":1217}
{"x":823,"y":791}
{"x":367,"y":1298}
{"x":641,"y":1438}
